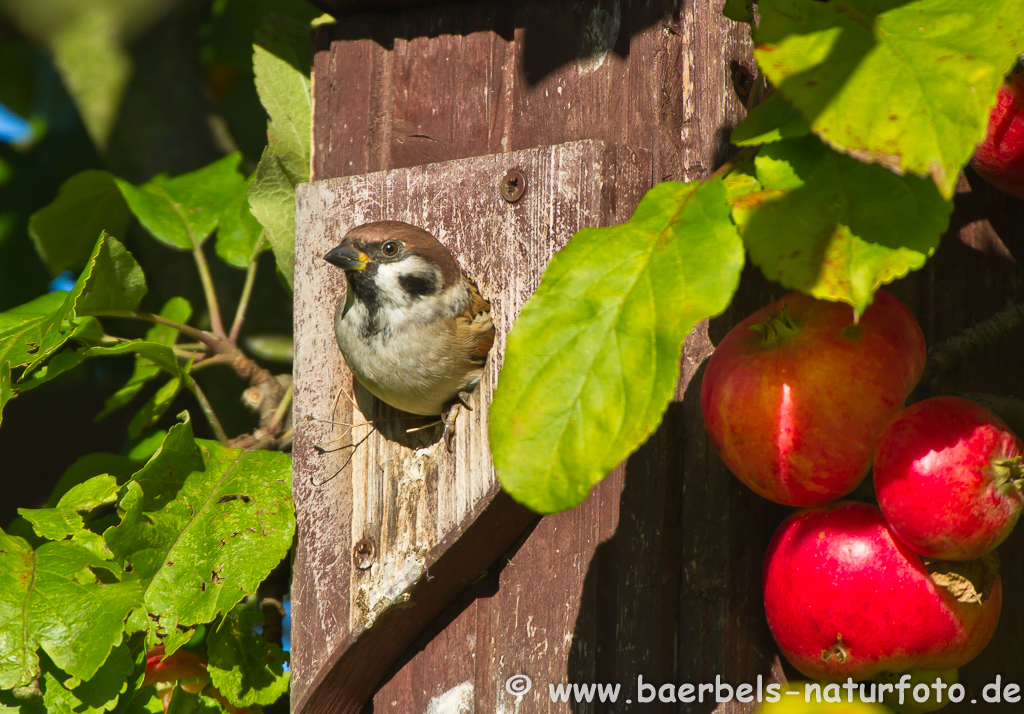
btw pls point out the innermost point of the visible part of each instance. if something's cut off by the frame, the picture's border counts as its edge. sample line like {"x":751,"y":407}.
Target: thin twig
{"x":214,"y":360}
{"x":204,"y":270}
{"x":243,"y":301}
{"x":208,"y":289}
{"x":948,"y":355}
{"x":211,"y":416}
{"x":187,"y":354}
{"x":208,"y":339}
{"x":281,"y":411}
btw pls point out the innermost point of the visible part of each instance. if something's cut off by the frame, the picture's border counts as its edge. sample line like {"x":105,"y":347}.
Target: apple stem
{"x":776,"y":329}
{"x":837,"y":652}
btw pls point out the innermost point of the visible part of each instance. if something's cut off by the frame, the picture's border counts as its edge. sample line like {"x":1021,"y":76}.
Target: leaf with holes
{"x":63,"y":599}
{"x":181,"y":212}
{"x":243,"y":666}
{"x":593,"y":359}
{"x":908,"y":85}
{"x":828,"y":225}
{"x":111,"y":280}
{"x":203,"y":524}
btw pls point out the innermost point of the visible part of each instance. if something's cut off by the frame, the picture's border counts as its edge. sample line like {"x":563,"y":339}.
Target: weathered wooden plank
{"x":401,"y":498}
{"x":478,"y":78}
{"x":661,"y":566}
{"x":550,"y":73}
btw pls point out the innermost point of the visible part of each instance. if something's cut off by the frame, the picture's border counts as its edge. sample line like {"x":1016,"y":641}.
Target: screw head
{"x":513,"y":186}
{"x":363,"y":553}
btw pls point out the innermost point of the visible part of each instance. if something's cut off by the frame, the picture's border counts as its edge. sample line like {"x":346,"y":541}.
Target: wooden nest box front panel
{"x":419,"y":115}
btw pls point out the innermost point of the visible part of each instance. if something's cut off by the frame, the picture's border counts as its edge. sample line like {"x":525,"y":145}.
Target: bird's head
{"x":394,"y":262}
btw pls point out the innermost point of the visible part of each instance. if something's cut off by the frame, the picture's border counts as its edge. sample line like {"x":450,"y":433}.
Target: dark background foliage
{"x":137,"y":88}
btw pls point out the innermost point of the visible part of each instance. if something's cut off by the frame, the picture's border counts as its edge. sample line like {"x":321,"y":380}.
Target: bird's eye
{"x":391,"y":248}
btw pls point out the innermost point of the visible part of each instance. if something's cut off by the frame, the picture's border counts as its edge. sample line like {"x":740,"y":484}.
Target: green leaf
{"x":240,"y":235}
{"x":146,"y":701}
{"x":282,"y":80}
{"x":274,"y":348}
{"x":58,"y":699}
{"x":272,"y":200}
{"x":64,"y":231}
{"x":281,"y":62}
{"x":62,"y":362}
{"x":905,"y":84}
{"x":833,"y":227}
{"x":87,"y":50}
{"x":157,"y":342}
{"x":739,"y":10}
{"x":103,"y":690}
{"x":65,"y":520}
{"x":51,"y":598}
{"x":203,"y":525}
{"x":243,"y":666}
{"x":155,"y":407}
{"x":772,"y":120}
{"x":183,"y":211}
{"x":159,"y":355}
{"x":33,"y":332}
{"x":593,"y":359}
{"x":6,"y":393}
{"x":21,"y":328}
{"x":111,"y":280}
{"x":183,"y":702}
{"x":88,"y":466}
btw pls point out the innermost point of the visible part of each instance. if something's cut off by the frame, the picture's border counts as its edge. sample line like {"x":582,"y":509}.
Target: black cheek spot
{"x":418,"y":285}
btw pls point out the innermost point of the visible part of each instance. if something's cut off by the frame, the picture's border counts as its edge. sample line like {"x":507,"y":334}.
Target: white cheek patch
{"x":389,"y":275}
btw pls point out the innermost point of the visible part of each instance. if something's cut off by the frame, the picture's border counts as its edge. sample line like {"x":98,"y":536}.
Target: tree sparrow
{"x":412,"y":327}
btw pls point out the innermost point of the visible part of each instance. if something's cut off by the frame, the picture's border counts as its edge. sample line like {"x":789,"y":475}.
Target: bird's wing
{"x":478,"y":315}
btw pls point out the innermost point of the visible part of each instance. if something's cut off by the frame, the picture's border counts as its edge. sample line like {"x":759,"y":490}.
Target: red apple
{"x":186,"y":670}
{"x":845,"y":598}
{"x":947,"y":476}
{"x":182,"y":665}
{"x":999,"y":159}
{"x":796,"y":394}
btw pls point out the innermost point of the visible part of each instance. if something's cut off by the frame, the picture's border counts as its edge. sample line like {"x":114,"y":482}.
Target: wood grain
{"x":403,"y":496}
{"x":637,"y":580}
{"x":657,"y":574}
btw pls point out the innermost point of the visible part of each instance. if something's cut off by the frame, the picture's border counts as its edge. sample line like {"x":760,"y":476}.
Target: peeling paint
{"x":457,"y":700}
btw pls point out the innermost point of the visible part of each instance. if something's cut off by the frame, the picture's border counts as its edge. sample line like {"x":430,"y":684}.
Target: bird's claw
{"x":449,"y":426}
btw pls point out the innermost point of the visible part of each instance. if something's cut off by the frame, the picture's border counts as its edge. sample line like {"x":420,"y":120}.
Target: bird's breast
{"x":415,"y":363}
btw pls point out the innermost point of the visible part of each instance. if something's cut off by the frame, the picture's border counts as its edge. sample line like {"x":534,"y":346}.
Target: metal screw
{"x":362,"y":554}
{"x":513,"y":186}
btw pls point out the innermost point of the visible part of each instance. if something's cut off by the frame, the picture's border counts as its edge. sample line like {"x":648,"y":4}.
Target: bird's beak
{"x":347,"y":257}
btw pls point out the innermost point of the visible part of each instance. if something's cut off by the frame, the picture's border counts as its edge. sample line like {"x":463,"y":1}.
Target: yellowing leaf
{"x":593,"y":359}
